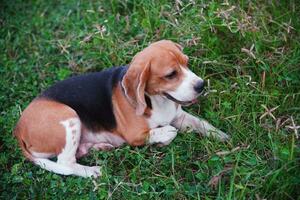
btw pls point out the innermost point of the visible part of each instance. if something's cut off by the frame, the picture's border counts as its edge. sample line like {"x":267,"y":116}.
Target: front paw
{"x":168,"y":135}
{"x":220,"y":135}
{"x":163,"y":135}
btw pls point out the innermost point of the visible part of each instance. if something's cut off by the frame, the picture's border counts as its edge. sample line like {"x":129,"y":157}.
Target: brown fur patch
{"x":39,"y":128}
{"x":133,"y":128}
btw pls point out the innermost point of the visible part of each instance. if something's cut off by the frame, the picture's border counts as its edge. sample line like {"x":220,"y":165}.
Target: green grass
{"x":260,"y":161}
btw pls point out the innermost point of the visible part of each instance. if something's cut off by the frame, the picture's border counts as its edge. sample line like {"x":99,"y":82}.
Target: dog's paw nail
{"x":94,"y":171}
{"x":225,"y":137}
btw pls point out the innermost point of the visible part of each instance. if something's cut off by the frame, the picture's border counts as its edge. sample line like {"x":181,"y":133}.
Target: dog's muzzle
{"x":183,"y":103}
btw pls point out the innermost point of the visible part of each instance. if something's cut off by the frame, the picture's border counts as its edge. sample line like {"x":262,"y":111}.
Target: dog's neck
{"x":163,"y":111}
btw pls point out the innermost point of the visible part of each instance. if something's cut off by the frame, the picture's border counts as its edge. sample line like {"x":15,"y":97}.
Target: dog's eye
{"x":171,"y":75}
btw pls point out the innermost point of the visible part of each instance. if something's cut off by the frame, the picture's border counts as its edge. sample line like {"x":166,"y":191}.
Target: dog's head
{"x":161,"y":69}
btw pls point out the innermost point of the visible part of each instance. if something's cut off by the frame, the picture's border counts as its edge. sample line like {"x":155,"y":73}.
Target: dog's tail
{"x":17,"y":132}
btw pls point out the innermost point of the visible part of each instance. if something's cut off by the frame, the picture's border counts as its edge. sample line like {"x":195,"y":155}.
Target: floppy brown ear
{"x":134,"y":84}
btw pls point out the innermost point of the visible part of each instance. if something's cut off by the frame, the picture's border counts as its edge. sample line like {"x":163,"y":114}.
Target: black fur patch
{"x":148,"y":102}
{"x":90,"y":95}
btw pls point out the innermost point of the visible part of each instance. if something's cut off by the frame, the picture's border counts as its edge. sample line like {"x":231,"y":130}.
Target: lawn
{"x":248,"y":50}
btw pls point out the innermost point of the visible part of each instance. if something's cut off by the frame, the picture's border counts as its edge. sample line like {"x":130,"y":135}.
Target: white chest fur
{"x":163,"y":111}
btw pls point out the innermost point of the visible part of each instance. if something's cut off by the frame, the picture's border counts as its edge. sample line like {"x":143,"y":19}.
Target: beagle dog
{"x":137,"y":104}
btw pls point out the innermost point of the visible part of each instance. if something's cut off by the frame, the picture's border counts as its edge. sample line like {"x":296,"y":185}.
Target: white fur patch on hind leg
{"x":67,"y":156}
{"x":85,"y":171}
{"x":53,"y":166}
{"x":69,"y":169}
{"x":66,"y":160}
{"x":73,"y":132}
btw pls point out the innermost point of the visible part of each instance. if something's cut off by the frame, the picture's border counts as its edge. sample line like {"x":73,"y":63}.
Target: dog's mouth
{"x":183,"y":103}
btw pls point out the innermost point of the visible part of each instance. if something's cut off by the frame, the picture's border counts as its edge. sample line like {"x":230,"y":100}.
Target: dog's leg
{"x":184,"y":120}
{"x":83,"y":149}
{"x":103,"y":146}
{"x":163,"y":135}
{"x":102,"y":140}
{"x":66,"y":161}
{"x":67,"y":156}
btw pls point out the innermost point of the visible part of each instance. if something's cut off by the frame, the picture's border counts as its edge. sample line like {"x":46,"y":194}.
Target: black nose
{"x":199,"y":86}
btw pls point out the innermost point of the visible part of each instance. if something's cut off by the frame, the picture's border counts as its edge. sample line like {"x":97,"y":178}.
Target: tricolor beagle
{"x":139,"y":104}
